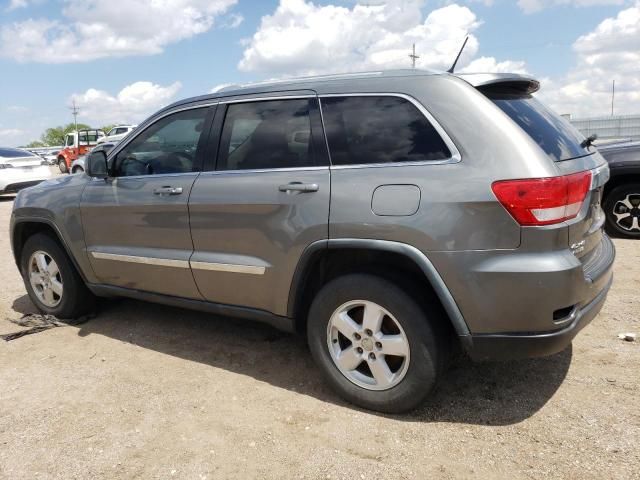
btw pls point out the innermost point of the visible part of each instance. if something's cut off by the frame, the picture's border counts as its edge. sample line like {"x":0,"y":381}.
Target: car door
{"x":136,"y":223}
{"x":266,"y":201}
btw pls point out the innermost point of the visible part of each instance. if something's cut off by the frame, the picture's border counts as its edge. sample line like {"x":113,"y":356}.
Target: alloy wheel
{"x":45,"y":279}
{"x":368,"y":345}
{"x":627,"y":213}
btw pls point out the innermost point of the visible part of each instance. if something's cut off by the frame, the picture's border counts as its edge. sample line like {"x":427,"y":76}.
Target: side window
{"x":120,"y":131}
{"x":69,"y":141}
{"x":379,"y":129}
{"x":167,"y":146}
{"x":266,"y":134}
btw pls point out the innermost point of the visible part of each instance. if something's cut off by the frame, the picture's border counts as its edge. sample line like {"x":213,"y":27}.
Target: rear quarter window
{"x":379,"y":129}
{"x":555,"y":135}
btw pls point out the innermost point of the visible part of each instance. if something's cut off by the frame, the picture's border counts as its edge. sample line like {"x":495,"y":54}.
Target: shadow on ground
{"x":488,"y":393}
{"x":7,"y":198}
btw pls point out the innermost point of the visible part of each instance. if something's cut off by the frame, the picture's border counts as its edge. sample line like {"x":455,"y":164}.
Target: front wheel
{"x":622,"y":210}
{"x":62,"y":165}
{"x":52,"y":282}
{"x":377,"y":346}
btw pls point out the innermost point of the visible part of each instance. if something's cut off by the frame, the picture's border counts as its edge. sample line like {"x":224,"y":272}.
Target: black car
{"x":621,"y":196}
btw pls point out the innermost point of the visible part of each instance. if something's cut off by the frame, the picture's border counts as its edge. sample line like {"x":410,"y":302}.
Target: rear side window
{"x":266,"y":134}
{"x":556,"y":136}
{"x":379,"y":129}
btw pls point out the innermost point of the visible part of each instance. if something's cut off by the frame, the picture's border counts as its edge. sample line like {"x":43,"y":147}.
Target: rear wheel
{"x":377,"y":347}
{"x":622,"y":210}
{"x":52,"y":282}
{"x":62,"y":165}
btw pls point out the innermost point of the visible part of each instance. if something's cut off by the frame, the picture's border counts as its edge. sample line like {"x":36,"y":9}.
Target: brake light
{"x":543,"y":201}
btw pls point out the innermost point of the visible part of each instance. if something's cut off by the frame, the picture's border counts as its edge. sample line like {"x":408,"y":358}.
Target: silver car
{"x":391,"y":217}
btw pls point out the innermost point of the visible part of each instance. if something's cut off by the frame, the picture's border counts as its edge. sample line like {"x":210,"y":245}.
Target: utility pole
{"x":613,"y":95}
{"x":75,"y":111}
{"x":413,"y":57}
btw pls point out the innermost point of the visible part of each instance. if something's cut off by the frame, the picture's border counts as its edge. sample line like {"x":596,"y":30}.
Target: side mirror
{"x":97,"y":164}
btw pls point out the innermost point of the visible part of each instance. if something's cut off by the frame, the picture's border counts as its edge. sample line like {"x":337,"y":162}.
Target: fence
{"x":618,"y":126}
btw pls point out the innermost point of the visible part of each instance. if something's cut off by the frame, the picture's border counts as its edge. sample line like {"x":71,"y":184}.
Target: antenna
{"x":75,"y":111}
{"x":455,"y":62}
{"x":414,"y":57}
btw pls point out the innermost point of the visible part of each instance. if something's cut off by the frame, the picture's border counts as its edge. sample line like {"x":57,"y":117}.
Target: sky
{"x":122,"y":60}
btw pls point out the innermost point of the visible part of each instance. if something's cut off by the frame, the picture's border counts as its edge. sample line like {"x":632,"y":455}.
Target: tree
{"x":55,"y":135}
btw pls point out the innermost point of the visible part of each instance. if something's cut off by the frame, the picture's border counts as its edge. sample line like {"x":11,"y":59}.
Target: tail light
{"x":543,"y":201}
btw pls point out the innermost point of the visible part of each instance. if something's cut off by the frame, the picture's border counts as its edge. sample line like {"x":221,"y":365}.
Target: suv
{"x":391,"y":216}
{"x":117,"y":133}
{"x":77,"y":144}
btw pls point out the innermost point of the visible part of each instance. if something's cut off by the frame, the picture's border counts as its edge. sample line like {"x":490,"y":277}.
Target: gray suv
{"x":392,"y":217}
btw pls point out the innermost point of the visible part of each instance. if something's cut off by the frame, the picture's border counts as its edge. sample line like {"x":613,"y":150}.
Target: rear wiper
{"x":587,"y":142}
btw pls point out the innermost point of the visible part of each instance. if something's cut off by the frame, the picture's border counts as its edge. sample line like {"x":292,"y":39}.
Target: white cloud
{"x":490,"y":64}
{"x":610,"y":52}
{"x":132,"y":104}
{"x":532,"y":6}
{"x":94,"y":29}
{"x":303,"y":38}
{"x":233,"y":21}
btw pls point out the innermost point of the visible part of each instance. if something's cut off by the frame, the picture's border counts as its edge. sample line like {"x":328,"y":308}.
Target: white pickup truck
{"x":117,"y":133}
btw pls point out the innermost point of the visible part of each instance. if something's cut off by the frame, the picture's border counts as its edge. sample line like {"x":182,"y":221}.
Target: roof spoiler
{"x":501,"y":82}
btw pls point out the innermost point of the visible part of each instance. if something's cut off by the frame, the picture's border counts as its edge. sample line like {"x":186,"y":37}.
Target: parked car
{"x":50,"y":154}
{"x":621,"y":197}
{"x":77,"y":144}
{"x":117,"y":133}
{"x":364,"y":210}
{"x":21,"y":169}
{"x":79,"y":165}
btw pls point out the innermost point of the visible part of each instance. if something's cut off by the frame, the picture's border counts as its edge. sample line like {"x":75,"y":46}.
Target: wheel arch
{"x":25,"y":228}
{"x":317,"y":266}
{"x":619,"y":179}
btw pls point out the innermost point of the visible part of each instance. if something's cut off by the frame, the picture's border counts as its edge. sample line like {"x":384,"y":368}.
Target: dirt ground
{"x":147,"y":391}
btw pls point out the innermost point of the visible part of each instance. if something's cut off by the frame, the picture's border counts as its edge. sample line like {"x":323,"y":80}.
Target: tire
{"x":428,"y":347}
{"x":74,"y":299}
{"x":78,"y":170}
{"x":617,"y":201}
{"x":62,"y":165}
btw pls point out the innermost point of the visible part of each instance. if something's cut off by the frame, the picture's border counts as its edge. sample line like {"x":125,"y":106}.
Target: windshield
{"x":555,"y":135}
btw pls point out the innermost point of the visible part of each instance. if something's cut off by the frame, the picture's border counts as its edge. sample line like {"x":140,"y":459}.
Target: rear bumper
{"x":518,"y":345}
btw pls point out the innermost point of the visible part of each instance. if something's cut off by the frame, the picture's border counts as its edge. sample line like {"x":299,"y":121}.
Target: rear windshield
{"x":555,"y":135}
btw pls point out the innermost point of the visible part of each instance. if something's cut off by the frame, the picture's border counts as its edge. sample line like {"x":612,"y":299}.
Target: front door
{"x":267,"y":200}
{"x":136,"y":224}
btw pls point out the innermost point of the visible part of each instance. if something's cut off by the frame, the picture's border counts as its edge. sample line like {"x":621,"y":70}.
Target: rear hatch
{"x":567,"y":148}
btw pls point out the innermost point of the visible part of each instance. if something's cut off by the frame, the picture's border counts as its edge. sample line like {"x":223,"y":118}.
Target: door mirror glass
{"x":97,"y":164}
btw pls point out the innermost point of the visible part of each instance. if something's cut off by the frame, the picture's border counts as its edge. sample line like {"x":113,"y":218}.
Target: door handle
{"x":167,"y":191}
{"x":299,"y":187}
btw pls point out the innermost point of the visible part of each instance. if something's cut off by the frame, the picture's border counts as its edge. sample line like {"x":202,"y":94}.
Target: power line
{"x":75,"y":111}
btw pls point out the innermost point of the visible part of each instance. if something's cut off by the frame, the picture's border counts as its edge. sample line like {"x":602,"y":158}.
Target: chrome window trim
{"x":455,"y":153}
{"x":161,"y":262}
{"x":264,"y":170}
{"x":228,"y":267}
{"x":266,"y":99}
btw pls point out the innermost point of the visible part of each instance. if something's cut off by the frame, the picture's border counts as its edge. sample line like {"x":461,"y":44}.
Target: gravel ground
{"x":146,"y":391}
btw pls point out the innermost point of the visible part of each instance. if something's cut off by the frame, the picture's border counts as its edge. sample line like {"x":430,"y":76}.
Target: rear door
{"x":136,"y":224}
{"x":266,"y":201}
